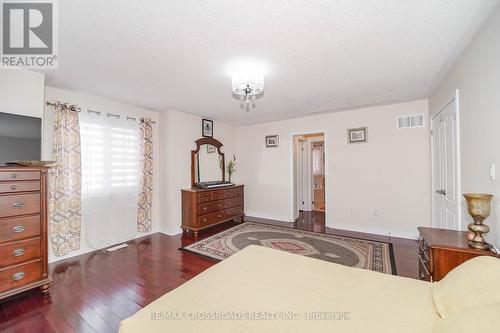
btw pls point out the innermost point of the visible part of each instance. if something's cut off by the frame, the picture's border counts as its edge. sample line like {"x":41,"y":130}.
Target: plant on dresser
{"x":23,"y":230}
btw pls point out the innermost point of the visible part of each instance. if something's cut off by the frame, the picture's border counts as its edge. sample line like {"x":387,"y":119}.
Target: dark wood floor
{"x":95,"y":291}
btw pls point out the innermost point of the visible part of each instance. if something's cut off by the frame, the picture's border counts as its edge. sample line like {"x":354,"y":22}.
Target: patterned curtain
{"x":145,"y":198}
{"x":65,"y":182}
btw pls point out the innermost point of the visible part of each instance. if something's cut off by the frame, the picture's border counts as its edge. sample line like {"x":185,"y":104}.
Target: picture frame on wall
{"x":207,"y":128}
{"x":357,"y":135}
{"x":272,"y":141}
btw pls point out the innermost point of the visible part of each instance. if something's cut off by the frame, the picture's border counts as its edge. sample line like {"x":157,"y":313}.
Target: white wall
{"x":21,"y":92}
{"x":477,"y":76}
{"x":85,"y":101}
{"x":178,"y":132}
{"x":381,"y":187}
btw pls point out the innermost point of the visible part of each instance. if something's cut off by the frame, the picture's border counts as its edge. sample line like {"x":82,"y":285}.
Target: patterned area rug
{"x":353,"y":252}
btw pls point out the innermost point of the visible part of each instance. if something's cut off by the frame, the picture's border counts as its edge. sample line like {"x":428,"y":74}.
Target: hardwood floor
{"x":94,"y":292}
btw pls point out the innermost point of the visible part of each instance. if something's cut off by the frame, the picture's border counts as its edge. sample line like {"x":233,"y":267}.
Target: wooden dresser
{"x":205,"y":208}
{"x":23,"y":230}
{"x":441,"y":250}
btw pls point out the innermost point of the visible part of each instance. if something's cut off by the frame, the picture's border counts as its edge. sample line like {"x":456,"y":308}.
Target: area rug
{"x":348,"y":251}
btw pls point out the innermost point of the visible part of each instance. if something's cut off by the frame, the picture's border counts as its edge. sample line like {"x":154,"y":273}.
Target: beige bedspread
{"x":288,"y":293}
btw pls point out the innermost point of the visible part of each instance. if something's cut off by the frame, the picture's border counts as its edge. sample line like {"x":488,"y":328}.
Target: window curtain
{"x":65,"y":182}
{"x":110,"y":178}
{"x":145,"y":198}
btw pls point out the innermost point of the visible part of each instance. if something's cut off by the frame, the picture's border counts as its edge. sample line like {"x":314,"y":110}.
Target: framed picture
{"x":272,"y":141}
{"x":210,"y":149}
{"x":207,"y":128}
{"x":357,"y":135}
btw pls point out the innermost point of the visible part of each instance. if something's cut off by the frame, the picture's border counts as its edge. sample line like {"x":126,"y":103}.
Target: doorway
{"x":309,"y":175}
{"x":446,"y":166}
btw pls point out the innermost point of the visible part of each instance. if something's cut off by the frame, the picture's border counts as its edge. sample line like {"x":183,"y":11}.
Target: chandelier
{"x":248,"y":84}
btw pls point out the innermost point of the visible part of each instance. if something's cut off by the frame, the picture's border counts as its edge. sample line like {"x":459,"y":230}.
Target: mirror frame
{"x":204,"y":141}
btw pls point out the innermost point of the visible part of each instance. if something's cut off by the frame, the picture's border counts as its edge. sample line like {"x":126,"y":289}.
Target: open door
{"x":445,"y":167}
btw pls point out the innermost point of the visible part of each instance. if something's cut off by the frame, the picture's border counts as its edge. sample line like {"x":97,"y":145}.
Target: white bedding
{"x":271,"y":284}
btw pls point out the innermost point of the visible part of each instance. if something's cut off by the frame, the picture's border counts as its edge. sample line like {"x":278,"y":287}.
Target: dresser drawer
{"x":20,"y":175}
{"x":15,"y":253}
{"x":236,"y":192}
{"x":234,"y":211}
{"x":210,"y":218}
{"x":19,"y":228}
{"x":12,"y":187}
{"x":210,"y":207}
{"x":19,"y":275}
{"x":423,"y":271}
{"x":238,"y":201}
{"x":19,"y":204}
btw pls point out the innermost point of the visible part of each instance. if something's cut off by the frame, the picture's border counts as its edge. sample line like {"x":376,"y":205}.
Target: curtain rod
{"x":71,"y":107}
{"x":77,"y":109}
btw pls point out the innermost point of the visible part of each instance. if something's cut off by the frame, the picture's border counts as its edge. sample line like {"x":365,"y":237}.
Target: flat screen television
{"x":20,"y":138}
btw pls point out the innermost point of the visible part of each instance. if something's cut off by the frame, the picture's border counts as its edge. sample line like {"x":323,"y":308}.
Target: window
{"x":110,"y":155}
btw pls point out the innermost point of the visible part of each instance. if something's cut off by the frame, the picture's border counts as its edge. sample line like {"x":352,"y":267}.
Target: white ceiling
{"x":320,"y":55}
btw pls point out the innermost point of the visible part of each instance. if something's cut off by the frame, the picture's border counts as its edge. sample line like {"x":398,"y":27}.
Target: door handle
{"x":443,"y":192}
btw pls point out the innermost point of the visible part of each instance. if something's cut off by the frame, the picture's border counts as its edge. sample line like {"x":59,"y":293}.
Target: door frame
{"x":455,"y":96}
{"x":311,"y":142}
{"x":299,"y":174}
{"x":291,"y":173}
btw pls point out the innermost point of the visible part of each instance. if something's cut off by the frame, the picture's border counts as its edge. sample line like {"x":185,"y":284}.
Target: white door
{"x":446,"y":188}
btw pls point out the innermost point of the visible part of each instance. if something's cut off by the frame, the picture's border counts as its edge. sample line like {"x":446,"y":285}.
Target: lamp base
{"x":479,"y":246}
{"x":479,"y":229}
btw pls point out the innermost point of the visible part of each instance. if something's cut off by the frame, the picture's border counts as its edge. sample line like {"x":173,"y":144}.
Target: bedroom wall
{"x":476,"y":74}
{"x":178,"y":132}
{"x":380,"y":187}
{"x":21,"y":92}
{"x":85,"y":101}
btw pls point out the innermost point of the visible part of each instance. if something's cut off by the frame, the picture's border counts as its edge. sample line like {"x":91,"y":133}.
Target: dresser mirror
{"x":207,"y":162}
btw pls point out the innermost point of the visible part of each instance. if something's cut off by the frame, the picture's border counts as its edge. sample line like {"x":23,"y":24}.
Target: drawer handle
{"x":219,"y":215}
{"x":18,"y":204}
{"x":13,"y":187}
{"x":204,"y":208}
{"x":13,"y":176}
{"x":204,"y":220}
{"x":18,"y":276}
{"x":18,"y":228}
{"x":18,"y":252}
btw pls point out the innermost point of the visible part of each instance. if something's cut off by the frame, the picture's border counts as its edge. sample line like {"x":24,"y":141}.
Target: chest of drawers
{"x":205,"y":208}
{"x":441,"y":250}
{"x":23,"y":230}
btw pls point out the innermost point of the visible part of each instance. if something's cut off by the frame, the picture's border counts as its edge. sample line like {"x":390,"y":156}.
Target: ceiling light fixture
{"x":248,"y":84}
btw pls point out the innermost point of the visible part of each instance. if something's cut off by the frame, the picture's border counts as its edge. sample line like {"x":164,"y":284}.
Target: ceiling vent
{"x":411,"y":121}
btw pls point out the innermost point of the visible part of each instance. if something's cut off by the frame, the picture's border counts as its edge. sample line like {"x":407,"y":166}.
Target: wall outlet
{"x":493,"y":171}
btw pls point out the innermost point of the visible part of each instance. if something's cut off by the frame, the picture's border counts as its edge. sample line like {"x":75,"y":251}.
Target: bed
{"x":284,"y":292}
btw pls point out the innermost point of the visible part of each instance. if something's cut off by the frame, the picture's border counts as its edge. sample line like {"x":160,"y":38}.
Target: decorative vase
{"x":478,"y":206}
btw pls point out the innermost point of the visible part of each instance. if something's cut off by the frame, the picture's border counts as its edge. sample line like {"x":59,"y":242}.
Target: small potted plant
{"x":230,"y":166}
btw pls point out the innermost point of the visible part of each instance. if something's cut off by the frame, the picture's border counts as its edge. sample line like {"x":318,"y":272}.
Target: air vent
{"x":411,"y":121}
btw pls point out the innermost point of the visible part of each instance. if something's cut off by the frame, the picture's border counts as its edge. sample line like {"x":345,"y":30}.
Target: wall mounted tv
{"x":20,"y":138}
